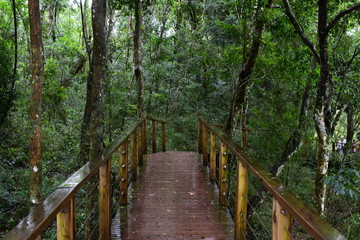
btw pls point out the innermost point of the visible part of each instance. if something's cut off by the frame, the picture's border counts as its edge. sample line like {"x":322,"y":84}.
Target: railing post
{"x":163,"y":136}
{"x":241,"y":200}
{"x":223,"y":174}
{"x":133,"y":157}
{"x":153,"y":136}
{"x":205,"y":145}
{"x":104,"y":200}
{"x":145,"y":137}
{"x":65,"y":221}
{"x":200,"y":137}
{"x":140,"y":145}
{"x":212,"y":156}
{"x":281,"y":226}
{"x":123,"y":174}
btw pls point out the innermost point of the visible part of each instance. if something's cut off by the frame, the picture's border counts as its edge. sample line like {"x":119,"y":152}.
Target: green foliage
{"x":193,"y":52}
{"x":346,"y":183}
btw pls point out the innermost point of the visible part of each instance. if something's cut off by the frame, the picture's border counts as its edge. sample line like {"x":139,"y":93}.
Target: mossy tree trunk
{"x":36,"y":80}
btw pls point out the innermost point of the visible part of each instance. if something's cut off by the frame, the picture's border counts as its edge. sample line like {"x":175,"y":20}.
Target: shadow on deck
{"x":173,"y":199}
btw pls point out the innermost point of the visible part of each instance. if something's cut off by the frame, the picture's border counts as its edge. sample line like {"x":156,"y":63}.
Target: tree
{"x":138,"y":70}
{"x":36,"y":80}
{"x":238,"y":102}
{"x":324,"y":116}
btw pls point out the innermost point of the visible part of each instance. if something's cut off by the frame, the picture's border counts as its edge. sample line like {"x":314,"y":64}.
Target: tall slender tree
{"x":36,"y":80}
{"x":138,"y":70}
{"x":238,"y":102}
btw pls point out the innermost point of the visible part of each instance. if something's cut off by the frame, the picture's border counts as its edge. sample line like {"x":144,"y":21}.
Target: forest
{"x":281,"y":76}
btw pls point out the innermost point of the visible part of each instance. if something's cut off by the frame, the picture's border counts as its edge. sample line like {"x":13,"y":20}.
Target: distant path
{"x":173,"y":200}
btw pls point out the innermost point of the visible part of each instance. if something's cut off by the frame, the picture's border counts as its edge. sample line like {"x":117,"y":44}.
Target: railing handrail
{"x":308,"y":218}
{"x":155,"y":119}
{"x":42,"y":215}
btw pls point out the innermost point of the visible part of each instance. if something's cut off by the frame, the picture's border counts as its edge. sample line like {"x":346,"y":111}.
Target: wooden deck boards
{"x":173,"y":199}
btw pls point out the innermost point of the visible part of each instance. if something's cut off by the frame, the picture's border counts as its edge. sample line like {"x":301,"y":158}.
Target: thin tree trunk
{"x":243,"y":80}
{"x":10,"y":98}
{"x":292,"y":145}
{"x":295,"y":140}
{"x":85,"y":128}
{"x":15,"y":49}
{"x":36,"y":80}
{"x":350,"y":125}
{"x":138,"y":71}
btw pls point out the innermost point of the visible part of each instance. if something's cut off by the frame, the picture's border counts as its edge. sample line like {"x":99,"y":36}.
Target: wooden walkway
{"x":173,"y":199}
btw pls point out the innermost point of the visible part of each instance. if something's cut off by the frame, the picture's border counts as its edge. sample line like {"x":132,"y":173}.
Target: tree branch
{"x":342,"y":14}
{"x":300,"y":31}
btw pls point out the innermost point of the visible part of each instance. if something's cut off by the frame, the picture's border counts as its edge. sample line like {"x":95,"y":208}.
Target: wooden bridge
{"x":173,"y":195}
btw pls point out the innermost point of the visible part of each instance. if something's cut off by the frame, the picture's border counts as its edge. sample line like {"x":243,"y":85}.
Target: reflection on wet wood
{"x":174,"y":202}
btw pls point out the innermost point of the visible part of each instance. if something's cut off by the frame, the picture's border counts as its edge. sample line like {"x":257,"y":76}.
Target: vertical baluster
{"x":223,"y":174}
{"x":140,"y":143}
{"x":153,"y":136}
{"x":212,"y":156}
{"x":281,"y":227}
{"x":145,"y":137}
{"x":200,"y":137}
{"x":163,"y":136}
{"x":205,"y":145}
{"x":123,"y":174}
{"x":133,"y":156}
{"x":65,"y":221}
{"x":104,"y":200}
{"x":241,"y":200}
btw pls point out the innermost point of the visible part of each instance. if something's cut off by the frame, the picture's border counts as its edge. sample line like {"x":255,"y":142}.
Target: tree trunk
{"x":350,"y":131}
{"x":36,"y":80}
{"x":292,"y":145}
{"x":322,"y":115}
{"x":99,"y":70}
{"x":138,"y":71}
{"x":295,"y":140}
{"x":9,"y":97}
{"x":85,"y":128}
{"x":52,"y":18}
{"x":243,"y":80}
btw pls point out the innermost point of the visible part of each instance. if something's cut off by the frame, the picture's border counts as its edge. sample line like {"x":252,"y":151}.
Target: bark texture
{"x":36,"y":80}
{"x":99,"y":70}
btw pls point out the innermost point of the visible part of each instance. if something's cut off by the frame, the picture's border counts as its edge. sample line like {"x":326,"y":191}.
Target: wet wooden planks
{"x":173,"y":199}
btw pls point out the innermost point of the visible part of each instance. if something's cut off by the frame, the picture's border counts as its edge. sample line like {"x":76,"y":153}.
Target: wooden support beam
{"x":223,"y":174}
{"x":140,"y":143}
{"x":241,"y":200}
{"x":145,"y":137}
{"x":200,"y":137}
{"x":105,"y":200}
{"x":133,"y":156}
{"x":123,"y":174}
{"x":153,"y":136}
{"x":281,"y":227}
{"x":163,"y":136}
{"x":212,"y":156}
{"x":205,"y":145}
{"x":65,"y":221}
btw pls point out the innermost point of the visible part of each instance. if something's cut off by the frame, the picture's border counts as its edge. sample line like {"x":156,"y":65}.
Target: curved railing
{"x":285,"y":204}
{"x":61,"y":203}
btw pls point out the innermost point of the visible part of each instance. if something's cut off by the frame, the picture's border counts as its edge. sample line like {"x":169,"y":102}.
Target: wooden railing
{"x":61,"y":203}
{"x":285,"y":204}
